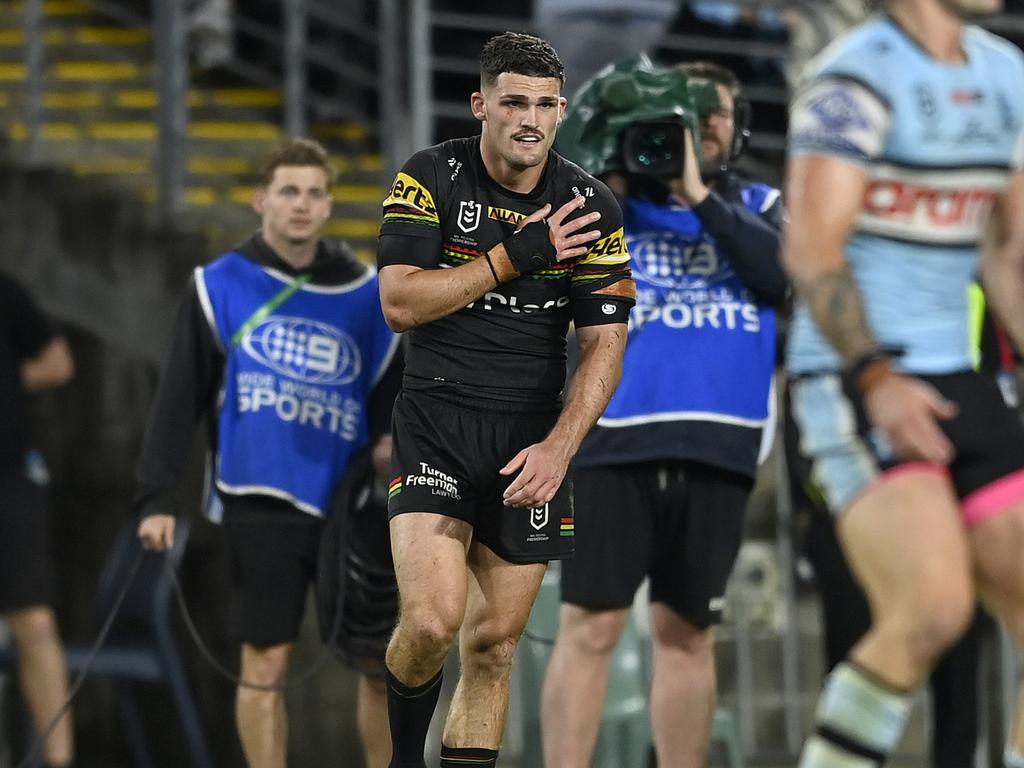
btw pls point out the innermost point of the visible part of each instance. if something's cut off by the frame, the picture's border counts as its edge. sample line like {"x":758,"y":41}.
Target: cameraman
{"x":664,"y":477}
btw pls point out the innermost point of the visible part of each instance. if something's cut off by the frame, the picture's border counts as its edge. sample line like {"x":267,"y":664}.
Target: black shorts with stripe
{"x":446,"y":459}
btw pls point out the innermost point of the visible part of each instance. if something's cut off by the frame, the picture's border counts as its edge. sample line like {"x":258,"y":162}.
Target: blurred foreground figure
{"x":32,"y":357}
{"x":906,"y":168}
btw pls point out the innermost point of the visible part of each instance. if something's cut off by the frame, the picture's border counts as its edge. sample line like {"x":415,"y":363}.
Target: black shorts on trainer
{"x":273,"y":550}
{"x":27,"y":578}
{"x":446,"y":458}
{"x":679,"y":522}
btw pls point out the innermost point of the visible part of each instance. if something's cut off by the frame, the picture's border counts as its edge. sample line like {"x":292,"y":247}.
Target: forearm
{"x":189,"y":383}
{"x":749,"y":243}
{"x":829,"y":290}
{"x":417,"y":296}
{"x":593,"y":383}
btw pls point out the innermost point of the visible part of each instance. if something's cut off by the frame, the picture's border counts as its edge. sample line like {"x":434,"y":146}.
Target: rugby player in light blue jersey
{"x":905,"y":179}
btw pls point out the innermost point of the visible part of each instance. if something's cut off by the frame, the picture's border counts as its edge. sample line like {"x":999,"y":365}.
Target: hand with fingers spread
{"x":156,"y":532}
{"x":907,"y":410}
{"x":541,"y":243}
{"x":542,"y":468}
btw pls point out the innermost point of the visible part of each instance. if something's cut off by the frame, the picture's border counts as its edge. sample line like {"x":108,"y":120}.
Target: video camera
{"x":631,"y":117}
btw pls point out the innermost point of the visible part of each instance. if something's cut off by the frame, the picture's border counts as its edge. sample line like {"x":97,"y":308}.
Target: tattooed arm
{"x":824,"y":196}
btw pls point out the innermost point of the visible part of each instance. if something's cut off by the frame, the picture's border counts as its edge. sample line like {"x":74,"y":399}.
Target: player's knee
{"x":429,"y":627}
{"x":674,"y":632}
{"x":933,"y":625}
{"x":32,"y":626}
{"x":258,"y":700}
{"x":265,"y":665}
{"x":947,"y":624}
{"x":594,"y":633}
{"x":493,"y":655}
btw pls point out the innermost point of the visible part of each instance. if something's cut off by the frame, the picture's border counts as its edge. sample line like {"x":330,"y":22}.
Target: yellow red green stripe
{"x":395,"y":487}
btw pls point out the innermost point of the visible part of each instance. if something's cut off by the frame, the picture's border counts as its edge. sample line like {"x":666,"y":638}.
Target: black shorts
{"x":272,"y":549}
{"x":27,"y":577}
{"x":848,"y":455}
{"x":446,"y":459}
{"x":679,"y":522}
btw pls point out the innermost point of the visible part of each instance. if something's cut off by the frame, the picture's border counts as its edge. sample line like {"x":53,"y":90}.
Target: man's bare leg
{"x":260,"y":715}
{"x":576,"y":683}
{"x":995,"y":545}
{"x":500,"y":599}
{"x":906,"y":545}
{"x":682,"y":689}
{"x":372,"y":721}
{"x":430,"y":566}
{"x":44,"y":678}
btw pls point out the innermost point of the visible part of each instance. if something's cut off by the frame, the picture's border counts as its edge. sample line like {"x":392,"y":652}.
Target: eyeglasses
{"x":722,"y":113}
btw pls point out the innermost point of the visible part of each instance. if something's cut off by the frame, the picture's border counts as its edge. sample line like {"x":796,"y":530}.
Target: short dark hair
{"x":716,"y":73}
{"x":296,"y":152}
{"x":520,"y":54}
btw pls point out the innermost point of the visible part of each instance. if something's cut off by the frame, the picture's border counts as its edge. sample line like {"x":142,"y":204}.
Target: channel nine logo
{"x":305,"y":350}
{"x":669,"y":262}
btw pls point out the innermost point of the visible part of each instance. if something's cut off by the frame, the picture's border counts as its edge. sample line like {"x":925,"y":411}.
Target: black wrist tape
{"x":530,"y":248}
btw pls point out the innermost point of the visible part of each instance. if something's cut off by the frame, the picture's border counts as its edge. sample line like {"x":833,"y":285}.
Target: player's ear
{"x":563,"y":104}
{"x":476,"y":103}
{"x":259,"y":199}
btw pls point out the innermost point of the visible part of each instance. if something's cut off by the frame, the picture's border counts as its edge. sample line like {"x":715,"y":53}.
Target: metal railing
{"x":432,"y":66}
{"x":370,"y":74}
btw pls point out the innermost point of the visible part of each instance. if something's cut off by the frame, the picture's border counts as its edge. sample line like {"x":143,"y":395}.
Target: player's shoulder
{"x":421,"y":165}
{"x":573,"y":180}
{"x":230,"y":262}
{"x":862,"y":56}
{"x":1003,"y":57}
{"x":440,"y":167}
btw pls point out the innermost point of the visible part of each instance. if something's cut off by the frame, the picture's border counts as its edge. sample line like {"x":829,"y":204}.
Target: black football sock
{"x":409,"y":712}
{"x":468,"y":757}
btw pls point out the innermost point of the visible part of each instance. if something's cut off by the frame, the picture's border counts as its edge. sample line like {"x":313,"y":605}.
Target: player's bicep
{"x":602,"y":287}
{"x":824,"y":196}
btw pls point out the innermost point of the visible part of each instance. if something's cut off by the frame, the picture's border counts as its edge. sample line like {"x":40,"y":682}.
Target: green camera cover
{"x":630,"y":91}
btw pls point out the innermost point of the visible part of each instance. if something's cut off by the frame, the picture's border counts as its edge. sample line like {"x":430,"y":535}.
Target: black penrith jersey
{"x":510,"y":343}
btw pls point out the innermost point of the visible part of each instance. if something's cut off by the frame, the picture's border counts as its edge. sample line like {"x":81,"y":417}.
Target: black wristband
{"x":490,"y":264}
{"x":530,"y":248}
{"x":854,"y":370}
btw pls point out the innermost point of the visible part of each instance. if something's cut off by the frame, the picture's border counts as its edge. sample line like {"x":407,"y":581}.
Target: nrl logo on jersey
{"x":469,"y":215}
{"x":539,"y":517}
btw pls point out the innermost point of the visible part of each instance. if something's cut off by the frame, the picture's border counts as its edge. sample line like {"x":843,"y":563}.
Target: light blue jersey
{"x":939,"y":142}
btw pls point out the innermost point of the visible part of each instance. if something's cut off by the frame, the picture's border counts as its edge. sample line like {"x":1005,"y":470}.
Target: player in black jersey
{"x":489,"y":247}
